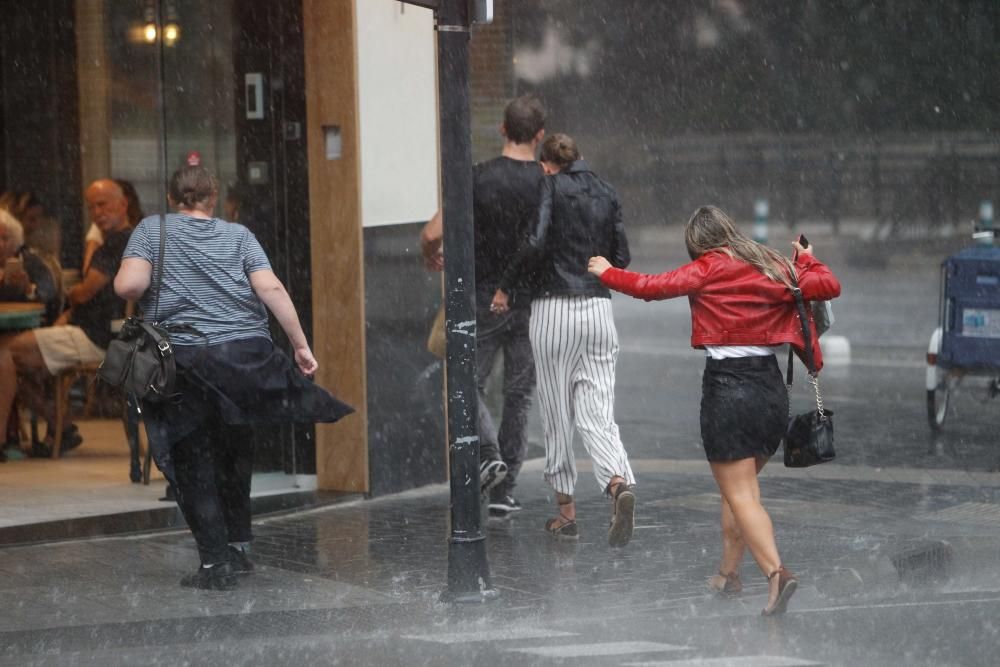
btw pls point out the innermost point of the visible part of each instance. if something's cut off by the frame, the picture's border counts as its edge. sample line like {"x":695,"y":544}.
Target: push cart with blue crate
{"x":965,"y":347}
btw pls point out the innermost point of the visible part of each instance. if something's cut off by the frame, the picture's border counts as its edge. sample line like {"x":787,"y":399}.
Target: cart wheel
{"x":938,"y":400}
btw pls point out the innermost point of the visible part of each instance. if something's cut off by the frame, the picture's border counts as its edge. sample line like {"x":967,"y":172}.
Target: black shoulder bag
{"x":140,"y":360}
{"x":809,"y":436}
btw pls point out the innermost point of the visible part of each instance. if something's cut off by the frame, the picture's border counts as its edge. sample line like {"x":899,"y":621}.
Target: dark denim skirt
{"x":744,"y":408}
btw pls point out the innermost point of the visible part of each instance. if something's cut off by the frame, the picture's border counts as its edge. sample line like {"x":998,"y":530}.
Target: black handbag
{"x":140,"y":360}
{"x":809,"y":436}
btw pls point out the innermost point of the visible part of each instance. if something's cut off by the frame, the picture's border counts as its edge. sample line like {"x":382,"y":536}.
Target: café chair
{"x":139,"y":465}
{"x":63,"y":384}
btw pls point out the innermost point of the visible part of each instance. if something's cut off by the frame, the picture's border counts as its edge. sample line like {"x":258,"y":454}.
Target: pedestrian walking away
{"x":573,"y":337}
{"x":217,"y":280}
{"x":742,"y":311}
{"x":505,"y":200}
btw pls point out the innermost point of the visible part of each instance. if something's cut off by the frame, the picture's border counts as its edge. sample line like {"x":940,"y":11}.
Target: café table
{"x":19,"y":315}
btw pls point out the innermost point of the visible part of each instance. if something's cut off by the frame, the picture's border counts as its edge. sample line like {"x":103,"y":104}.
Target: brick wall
{"x":491,"y":81}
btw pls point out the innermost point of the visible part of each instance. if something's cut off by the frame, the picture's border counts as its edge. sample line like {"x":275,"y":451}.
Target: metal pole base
{"x":485,"y":595}
{"x":468,"y":572}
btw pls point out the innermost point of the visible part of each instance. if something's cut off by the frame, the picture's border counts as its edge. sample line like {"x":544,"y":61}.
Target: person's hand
{"x":799,"y":250}
{"x":306,"y":362}
{"x":434,"y":260}
{"x":17,"y":279}
{"x":432,"y":243}
{"x":598,"y":265}
{"x":501,"y":303}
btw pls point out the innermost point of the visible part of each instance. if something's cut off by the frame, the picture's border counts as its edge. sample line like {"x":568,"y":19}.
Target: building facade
{"x":320,"y":119}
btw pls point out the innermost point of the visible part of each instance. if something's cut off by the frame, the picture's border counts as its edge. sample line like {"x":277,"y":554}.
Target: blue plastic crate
{"x":970,"y":309}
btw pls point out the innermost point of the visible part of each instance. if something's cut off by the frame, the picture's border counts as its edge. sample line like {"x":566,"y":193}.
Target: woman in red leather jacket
{"x":742,"y":308}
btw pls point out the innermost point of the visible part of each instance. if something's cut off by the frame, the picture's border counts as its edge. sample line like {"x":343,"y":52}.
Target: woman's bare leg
{"x":566,"y":506}
{"x":737,"y":481}
{"x":32,"y":374}
{"x":733,"y":545}
{"x":17,"y":353}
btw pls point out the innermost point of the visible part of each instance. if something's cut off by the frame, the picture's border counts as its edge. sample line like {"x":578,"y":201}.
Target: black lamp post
{"x":468,"y":568}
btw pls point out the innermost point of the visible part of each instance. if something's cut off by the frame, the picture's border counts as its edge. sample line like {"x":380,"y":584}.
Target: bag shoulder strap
{"x":806,"y":334}
{"x":159,"y":266}
{"x":158,"y":336}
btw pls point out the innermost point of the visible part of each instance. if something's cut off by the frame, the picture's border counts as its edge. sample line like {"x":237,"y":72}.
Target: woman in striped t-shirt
{"x":218,"y":281}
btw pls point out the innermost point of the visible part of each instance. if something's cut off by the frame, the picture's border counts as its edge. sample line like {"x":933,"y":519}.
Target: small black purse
{"x":140,"y":360}
{"x":809,"y":436}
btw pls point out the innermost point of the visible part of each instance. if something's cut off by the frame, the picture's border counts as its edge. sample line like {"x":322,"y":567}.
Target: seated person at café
{"x":24,"y":276}
{"x":82,"y":333}
{"x":94,"y":238}
{"x":41,"y":233}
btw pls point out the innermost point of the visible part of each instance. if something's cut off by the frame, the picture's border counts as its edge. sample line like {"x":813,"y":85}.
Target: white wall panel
{"x":397,"y":93}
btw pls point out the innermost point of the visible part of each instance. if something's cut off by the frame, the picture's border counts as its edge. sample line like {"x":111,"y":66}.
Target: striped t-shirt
{"x":206,"y":278}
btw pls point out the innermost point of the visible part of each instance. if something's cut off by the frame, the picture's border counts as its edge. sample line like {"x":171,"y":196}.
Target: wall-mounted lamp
{"x":171,"y":33}
{"x":149,"y":31}
{"x":171,"y":27}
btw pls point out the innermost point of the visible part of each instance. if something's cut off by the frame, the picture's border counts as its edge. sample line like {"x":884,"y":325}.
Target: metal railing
{"x":921,"y":182}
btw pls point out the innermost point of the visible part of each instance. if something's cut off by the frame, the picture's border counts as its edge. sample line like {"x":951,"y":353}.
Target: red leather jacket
{"x":732,"y":303}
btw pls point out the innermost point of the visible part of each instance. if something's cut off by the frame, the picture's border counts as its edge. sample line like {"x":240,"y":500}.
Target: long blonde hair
{"x":711,"y":229}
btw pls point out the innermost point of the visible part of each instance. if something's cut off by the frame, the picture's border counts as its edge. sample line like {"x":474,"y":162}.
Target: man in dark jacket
{"x":505,"y":200}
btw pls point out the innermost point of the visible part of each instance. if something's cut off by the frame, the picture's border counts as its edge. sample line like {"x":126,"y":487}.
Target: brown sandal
{"x":787,"y":583}
{"x":562,"y":528}
{"x":623,"y":518}
{"x":728,"y":586}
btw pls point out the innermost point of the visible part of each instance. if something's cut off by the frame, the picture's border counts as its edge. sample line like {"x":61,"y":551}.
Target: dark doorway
{"x":272,"y":186}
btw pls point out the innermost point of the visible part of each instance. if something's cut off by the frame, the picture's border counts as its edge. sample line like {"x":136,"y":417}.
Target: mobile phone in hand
{"x":803,"y":241}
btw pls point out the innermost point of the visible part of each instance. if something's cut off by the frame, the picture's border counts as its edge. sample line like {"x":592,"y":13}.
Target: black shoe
{"x":170,"y":494}
{"x":240,"y":560}
{"x":39,"y":450}
{"x":71,"y":438}
{"x":219,"y":577}
{"x":491,"y":473}
{"x":503,"y":505}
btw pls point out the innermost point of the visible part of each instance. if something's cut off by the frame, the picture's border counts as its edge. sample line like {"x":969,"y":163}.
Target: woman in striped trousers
{"x":573,"y":335}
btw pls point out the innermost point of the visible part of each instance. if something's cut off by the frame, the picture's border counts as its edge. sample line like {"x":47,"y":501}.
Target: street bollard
{"x":760,"y":211}
{"x":984,"y":232}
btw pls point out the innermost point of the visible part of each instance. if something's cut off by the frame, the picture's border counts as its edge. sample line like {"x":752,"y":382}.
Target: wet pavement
{"x":888,"y":569}
{"x":897,"y":545}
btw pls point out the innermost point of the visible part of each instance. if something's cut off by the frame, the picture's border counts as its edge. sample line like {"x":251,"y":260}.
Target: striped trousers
{"x":575,"y":345}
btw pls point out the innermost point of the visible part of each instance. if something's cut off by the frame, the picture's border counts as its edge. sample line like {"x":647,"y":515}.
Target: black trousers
{"x":506,"y":333}
{"x":214,"y":465}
